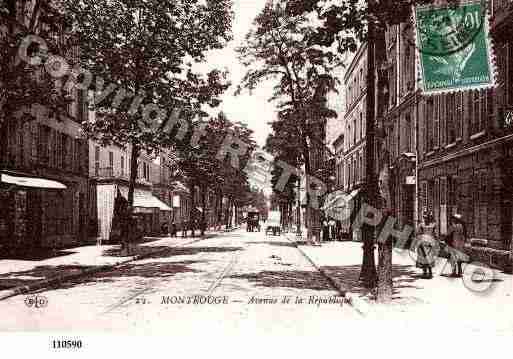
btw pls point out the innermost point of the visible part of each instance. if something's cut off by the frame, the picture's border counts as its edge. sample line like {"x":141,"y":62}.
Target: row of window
{"x":32,"y":143}
{"x":445,"y":116}
{"x":400,"y":136}
{"x":143,"y":168}
{"x":355,"y":130}
{"x":352,"y":170}
{"x":356,"y":84}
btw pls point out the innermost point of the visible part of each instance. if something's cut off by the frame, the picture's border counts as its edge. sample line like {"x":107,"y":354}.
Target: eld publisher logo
{"x":36,"y":301}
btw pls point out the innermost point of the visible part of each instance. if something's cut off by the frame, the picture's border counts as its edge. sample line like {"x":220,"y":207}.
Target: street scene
{"x":246,"y":277}
{"x":256,"y":166}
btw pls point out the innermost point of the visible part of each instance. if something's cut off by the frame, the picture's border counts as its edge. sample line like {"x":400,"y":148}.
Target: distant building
{"x":338,"y":145}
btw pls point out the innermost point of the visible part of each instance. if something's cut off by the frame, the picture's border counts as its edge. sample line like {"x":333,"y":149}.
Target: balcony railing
{"x":110,"y":172}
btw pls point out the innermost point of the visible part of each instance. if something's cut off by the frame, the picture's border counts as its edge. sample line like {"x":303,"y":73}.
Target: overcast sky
{"x":254,"y":109}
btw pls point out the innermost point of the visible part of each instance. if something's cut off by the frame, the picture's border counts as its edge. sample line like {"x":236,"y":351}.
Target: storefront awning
{"x":33,"y":182}
{"x":338,"y":199}
{"x":179,"y":187}
{"x":147,"y":200}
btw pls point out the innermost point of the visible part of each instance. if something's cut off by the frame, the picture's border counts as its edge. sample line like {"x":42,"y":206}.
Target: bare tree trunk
{"x":204,"y":207}
{"x":192,"y":211}
{"x":129,"y":224}
{"x":230,"y":211}
{"x":310,"y":220}
{"x":368,"y":275}
{"x":385,"y":280}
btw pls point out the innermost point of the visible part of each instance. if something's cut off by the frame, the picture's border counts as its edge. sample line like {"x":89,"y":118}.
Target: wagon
{"x":253,"y":222}
{"x":273,"y":224}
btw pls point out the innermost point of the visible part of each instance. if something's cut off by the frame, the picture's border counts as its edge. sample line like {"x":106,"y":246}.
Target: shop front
{"x":148,"y":210}
{"x":26,"y":221}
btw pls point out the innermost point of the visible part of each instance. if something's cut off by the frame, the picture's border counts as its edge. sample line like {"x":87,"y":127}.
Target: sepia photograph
{"x":338,"y":173}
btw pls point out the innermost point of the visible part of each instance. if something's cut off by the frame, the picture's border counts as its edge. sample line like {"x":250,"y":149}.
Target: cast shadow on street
{"x":151,"y":270}
{"x":287,"y":279}
{"x":28,"y":277}
{"x":275,"y":243}
{"x":36,"y":255}
{"x":129,"y":270}
{"x":165,"y":251}
{"x":404,"y":277}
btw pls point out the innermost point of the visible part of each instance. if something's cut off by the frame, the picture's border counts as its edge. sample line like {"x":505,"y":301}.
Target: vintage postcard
{"x":213,"y":178}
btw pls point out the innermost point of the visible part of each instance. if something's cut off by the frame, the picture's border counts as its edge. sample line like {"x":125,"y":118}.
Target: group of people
{"x":330,"y":230}
{"x":428,"y":248}
{"x":172,"y":232}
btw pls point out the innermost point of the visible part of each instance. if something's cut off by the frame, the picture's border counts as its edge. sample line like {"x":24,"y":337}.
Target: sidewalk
{"x":439,"y":298}
{"x":19,"y":276}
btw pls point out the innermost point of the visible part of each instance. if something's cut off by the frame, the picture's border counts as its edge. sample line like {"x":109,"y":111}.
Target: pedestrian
{"x":426,"y":244}
{"x":331,"y":225}
{"x":456,"y":238}
{"x":164,"y":229}
{"x":173,"y":229}
{"x":325,"y":231}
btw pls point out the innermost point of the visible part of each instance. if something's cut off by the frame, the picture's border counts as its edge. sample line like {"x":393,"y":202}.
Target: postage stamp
{"x":454,"y":47}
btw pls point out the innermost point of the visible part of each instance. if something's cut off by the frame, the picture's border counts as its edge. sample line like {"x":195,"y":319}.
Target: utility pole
{"x":368,"y":275}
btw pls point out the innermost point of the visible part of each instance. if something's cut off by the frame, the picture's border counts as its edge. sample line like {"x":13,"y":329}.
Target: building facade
{"x":354,"y":120}
{"x":397,"y":131}
{"x":109,"y":169}
{"x":452,"y":153}
{"x":44,"y":189}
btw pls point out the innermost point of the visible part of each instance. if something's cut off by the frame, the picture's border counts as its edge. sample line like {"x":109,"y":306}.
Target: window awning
{"x":145,"y":199}
{"x":338,"y":199}
{"x":199,"y":209}
{"x":33,"y":182}
{"x":179,"y":187}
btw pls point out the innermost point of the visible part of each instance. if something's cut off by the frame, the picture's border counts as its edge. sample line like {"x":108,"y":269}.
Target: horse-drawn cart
{"x":253,"y":222}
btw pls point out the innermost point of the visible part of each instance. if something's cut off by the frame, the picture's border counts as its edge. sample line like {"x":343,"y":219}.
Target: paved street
{"x":247,"y":274}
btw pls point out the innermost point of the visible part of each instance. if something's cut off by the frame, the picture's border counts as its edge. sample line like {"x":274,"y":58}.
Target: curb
{"x":46,"y":283}
{"x":358,"y":304}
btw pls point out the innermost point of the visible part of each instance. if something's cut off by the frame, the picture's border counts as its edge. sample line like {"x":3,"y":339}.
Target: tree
{"x":347,"y":23}
{"x":284,"y":144}
{"x":201,"y":167}
{"x":22,"y":84}
{"x":279,"y":48}
{"x":145,"y":49}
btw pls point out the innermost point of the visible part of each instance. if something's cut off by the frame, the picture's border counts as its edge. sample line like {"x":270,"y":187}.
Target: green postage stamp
{"x":454,"y":47}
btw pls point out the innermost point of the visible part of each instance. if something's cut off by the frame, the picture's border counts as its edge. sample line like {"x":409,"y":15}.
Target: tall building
{"x":452,"y":153}
{"x":396,"y":130}
{"x":44,"y":190}
{"x":354,"y":120}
